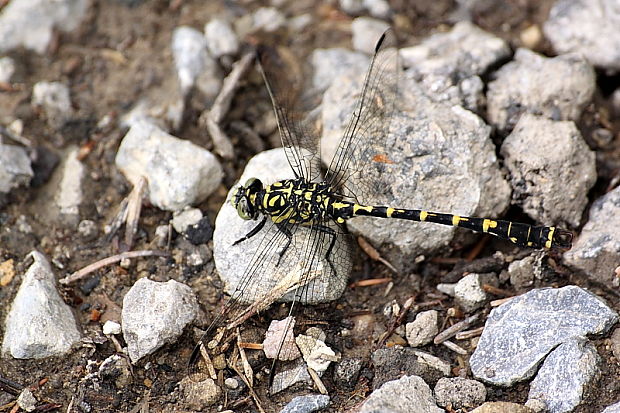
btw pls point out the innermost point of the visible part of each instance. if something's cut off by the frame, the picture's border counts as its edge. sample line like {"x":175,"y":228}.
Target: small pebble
{"x":231,"y":383}
{"x":111,"y":328}
{"x":88,"y":229}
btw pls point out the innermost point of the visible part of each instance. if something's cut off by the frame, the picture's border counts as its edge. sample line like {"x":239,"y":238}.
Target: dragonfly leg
{"x":253,"y":232}
{"x":289,"y":235}
{"x":331,"y":233}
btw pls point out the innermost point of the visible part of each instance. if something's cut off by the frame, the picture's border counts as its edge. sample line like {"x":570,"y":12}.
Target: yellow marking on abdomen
{"x":489,"y":223}
{"x":339,"y":205}
{"x":423,"y":215}
{"x":389,"y":212}
{"x":360,"y":207}
{"x":550,"y":237}
{"x":456,"y":219}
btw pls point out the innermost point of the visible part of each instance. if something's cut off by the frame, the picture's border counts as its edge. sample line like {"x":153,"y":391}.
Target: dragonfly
{"x":302,"y":219}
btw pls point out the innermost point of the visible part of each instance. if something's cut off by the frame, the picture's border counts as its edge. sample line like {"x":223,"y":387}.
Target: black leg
{"x":289,"y":235}
{"x":253,"y":232}
{"x":330,"y":232}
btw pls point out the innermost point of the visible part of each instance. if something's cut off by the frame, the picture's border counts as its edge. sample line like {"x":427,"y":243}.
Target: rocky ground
{"x":124,"y":124}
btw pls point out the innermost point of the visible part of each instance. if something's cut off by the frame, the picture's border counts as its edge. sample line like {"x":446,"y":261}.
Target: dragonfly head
{"x":244,"y":198}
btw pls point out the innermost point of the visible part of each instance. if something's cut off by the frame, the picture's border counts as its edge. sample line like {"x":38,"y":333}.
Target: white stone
{"x":111,"y":328}
{"x":30,"y":23}
{"x":39,"y":323}
{"x":7,"y":68}
{"x":55,"y":100}
{"x":15,"y":169}
{"x":195,"y":66}
{"x":178,"y":172}
{"x":366,"y":32}
{"x":221,"y":39}
{"x":154,"y":314}
{"x":69,"y":195}
{"x":185,"y":218}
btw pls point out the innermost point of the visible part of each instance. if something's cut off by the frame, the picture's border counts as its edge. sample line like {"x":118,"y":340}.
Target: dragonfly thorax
{"x":294,"y":201}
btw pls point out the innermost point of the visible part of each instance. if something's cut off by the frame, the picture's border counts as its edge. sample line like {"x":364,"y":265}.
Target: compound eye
{"x":249,"y":182}
{"x":243,"y":209}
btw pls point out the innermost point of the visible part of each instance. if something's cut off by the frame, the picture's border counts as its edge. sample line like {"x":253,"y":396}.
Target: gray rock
{"x":597,"y":250}
{"x":519,"y":334}
{"x":195,"y":66}
{"x":555,"y":88}
{"x":232,"y":261}
{"x":196,"y":255}
{"x":428,"y":143}
{"x":446,"y":288}
{"x":178,"y":172}
{"x":564,"y":376}
{"x":200,"y":395}
{"x":162,"y":234}
{"x":465,"y":50}
{"x":459,"y":393}
{"x":231,"y":383}
{"x":221,"y":38}
{"x":523,"y":272}
{"x":409,"y":394}
{"x":54,"y":99}
{"x":30,"y":23}
{"x":39,"y":323}
{"x":352,"y":7}
{"x":88,"y":229}
{"x":290,"y":373}
{"x":615,"y":102}
{"x":615,"y":342}
{"x":469,"y":292}
{"x":162,"y":107}
{"x":391,"y":363}
{"x":307,"y":404}
{"x":329,"y":64}
{"x":155,"y":314}
{"x":15,"y":169}
{"x":449,"y":65}
{"x":317,"y":355}
{"x":185,"y":218}
{"x":365,"y":32}
{"x":300,"y":23}
{"x":268,"y":19}
{"x":7,"y":69}
{"x":27,"y":401}
{"x":614,"y":408}
{"x":423,"y":329}
{"x":376,"y":8}
{"x":503,"y":407}
{"x":586,"y":27}
{"x":542,"y":156}
{"x":347,"y":371}
{"x":69,"y":195}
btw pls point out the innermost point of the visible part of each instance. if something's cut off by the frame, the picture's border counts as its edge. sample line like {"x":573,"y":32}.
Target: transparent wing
{"x":370,"y":120}
{"x":298,"y":132}
{"x":299,"y":271}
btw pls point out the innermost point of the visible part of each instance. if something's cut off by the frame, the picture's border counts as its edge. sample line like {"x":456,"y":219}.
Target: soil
{"x":117,"y":55}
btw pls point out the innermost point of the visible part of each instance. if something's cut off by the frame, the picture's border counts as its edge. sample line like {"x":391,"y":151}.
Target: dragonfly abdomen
{"x":523,"y":235}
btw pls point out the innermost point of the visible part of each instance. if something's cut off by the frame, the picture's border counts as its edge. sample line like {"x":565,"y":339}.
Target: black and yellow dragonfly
{"x":324,"y":204}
